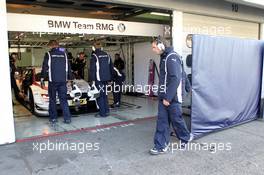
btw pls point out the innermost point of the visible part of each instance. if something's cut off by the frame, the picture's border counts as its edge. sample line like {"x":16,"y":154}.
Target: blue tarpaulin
{"x":226,"y":82}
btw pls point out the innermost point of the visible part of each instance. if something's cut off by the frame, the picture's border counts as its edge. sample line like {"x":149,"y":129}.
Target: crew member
{"x":78,"y":66}
{"x":118,"y":80}
{"x":57,"y":68}
{"x":170,"y":99}
{"x":101,"y":70}
{"x":12,"y":60}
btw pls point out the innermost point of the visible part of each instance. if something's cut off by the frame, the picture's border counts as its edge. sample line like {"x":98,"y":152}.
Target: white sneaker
{"x":191,"y":137}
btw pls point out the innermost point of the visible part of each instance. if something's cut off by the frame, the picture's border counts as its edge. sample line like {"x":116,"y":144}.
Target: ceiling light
{"x":159,"y":14}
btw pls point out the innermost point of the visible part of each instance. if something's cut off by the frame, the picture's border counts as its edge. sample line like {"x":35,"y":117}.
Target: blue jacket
{"x":56,"y":66}
{"x":101,"y":67}
{"x":170,"y":81}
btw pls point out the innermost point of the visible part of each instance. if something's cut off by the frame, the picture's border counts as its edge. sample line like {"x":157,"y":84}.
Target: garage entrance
{"x":131,"y":40}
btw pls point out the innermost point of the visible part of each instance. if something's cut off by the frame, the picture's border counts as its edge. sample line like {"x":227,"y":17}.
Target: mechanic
{"x":78,"y":65}
{"x":118,"y":79}
{"x":70,"y":58}
{"x":170,"y":98}
{"x":13,"y":69}
{"x":57,"y":68}
{"x":101,"y":70}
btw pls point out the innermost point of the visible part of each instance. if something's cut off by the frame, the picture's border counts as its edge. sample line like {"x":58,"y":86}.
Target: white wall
{"x":7,"y":132}
{"x":142,"y":54}
{"x":199,"y":24}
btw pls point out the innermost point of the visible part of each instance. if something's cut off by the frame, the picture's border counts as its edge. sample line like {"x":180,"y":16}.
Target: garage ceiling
{"x":37,"y":40}
{"x":88,"y":9}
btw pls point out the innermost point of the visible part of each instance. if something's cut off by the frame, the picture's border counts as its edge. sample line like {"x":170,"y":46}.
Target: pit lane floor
{"x":28,"y":125}
{"x":123,"y":150}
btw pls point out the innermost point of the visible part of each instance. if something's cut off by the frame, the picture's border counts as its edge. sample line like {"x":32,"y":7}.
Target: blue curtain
{"x":226,"y":82}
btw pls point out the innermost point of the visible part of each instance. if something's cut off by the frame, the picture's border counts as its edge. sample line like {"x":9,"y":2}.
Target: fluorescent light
{"x":15,"y":45}
{"x":159,"y":14}
{"x":22,"y":50}
{"x":259,"y":2}
{"x":67,"y":37}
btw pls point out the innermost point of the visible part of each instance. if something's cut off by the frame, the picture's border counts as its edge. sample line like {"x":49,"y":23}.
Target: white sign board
{"x":72,"y":25}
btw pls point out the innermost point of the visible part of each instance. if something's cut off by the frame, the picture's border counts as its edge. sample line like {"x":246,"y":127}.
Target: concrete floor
{"x":124,"y":149}
{"x":123,"y":141}
{"x":28,"y":125}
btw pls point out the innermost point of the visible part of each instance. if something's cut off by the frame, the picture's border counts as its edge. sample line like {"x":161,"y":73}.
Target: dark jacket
{"x":170,"y":81}
{"x":119,"y":64}
{"x":78,"y":65}
{"x":12,"y":76}
{"x":101,"y":67}
{"x":56,"y":66}
{"x":118,"y":76}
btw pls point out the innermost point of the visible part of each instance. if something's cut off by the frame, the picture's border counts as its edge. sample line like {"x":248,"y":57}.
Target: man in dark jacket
{"x":12,"y":62}
{"x":118,"y":79}
{"x":78,"y":65}
{"x":57,"y":68}
{"x":170,"y":98}
{"x":101,"y":70}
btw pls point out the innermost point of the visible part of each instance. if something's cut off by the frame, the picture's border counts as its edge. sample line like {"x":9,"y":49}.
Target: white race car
{"x":37,"y":100}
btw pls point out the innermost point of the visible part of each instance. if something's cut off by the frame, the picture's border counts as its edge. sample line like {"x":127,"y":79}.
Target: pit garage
{"x":130,"y":39}
{"x":123,"y":29}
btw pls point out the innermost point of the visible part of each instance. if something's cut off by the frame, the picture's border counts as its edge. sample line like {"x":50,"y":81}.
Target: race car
{"x":79,"y":95}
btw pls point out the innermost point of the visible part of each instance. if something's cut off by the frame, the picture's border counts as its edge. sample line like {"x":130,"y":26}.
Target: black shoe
{"x":155,"y":151}
{"x":100,"y":116}
{"x":173,"y":134}
{"x":115,"y":105}
{"x":67,"y":121}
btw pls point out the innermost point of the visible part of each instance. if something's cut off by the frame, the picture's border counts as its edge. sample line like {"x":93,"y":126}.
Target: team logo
{"x":121,"y":27}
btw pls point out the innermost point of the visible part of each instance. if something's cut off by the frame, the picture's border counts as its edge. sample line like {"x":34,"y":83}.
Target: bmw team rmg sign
{"x":72,"y":25}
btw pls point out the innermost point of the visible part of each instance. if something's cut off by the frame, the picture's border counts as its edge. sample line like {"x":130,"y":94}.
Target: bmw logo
{"x":121,"y":27}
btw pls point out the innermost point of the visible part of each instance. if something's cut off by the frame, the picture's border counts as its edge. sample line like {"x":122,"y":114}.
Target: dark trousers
{"x":102,"y":101}
{"x":14,"y":87}
{"x":117,"y":92}
{"x":61,"y":88}
{"x":167,"y":114}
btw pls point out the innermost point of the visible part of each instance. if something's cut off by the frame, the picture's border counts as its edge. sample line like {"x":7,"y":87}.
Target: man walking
{"x":170,"y":98}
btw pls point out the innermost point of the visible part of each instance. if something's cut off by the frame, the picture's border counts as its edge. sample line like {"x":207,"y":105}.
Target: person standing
{"x":101,"y":70}
{"x":57,"y":68}
{"x":118,"y":79}
{"x":78,"y":65}
{"x":170,"y":99}
{"x":12,"y":62}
